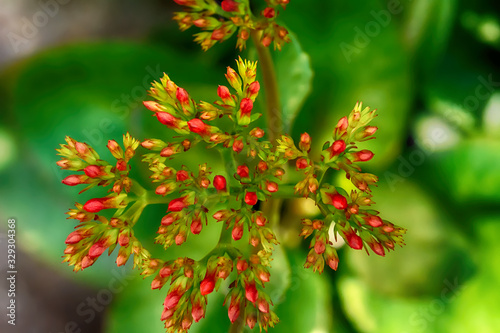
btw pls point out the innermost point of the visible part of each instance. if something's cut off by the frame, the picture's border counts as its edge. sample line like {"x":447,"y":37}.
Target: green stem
{"x":273,"y":105}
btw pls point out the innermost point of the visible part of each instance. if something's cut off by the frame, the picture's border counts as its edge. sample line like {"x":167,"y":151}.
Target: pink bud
{"x":74,"y":180}
{"x":342,"y":124}
{"x":197,"y":312}
{"x":377,"y":248}
{"x":152,"y":106}
{"x":180,"y":238}
{"x":172,"y":299}
{"x":234,"y":311}
{"x":263,"y":306}
{"x":305,"y":142}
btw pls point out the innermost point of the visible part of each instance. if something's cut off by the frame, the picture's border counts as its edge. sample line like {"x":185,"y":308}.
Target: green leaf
{"x":312,"y":293}
{"x":294,"y":75}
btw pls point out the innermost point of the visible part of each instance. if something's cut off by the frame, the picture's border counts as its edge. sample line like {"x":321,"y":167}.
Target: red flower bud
{"x":241,"y":265}
{"x":319,"y":246}
{"x":180,"y":238}
{"x":73,"y":180}
{"x":336,"y":148}
{"x":167,"y":119}
{"x":253,"y":89}
{"x":229,"y":6}
{"x":238,"y":146}
{"x":172,"y":299}
{"x":353,"y":240}
{"x":271,"y":186}
{"x":220,"y":183}
{"x":251,"y":198}
{"x":196,"y":226}
{"x":224,"y":93}
{"x":342,"y":124}
{"x":251,"y":292}
{"x":377,"y":248}
{"x":182,"y":96}
{"x":301,"y":163}
{"x":257,"y":133}
{"x":97,"y":249}
{"x":269,"y":12}
{"x":197,"y":312}
{"x":197,"y":126}
{"x":178,"y":204}
{"x":363,"y":156}
{"x":207,"y":285}
{"x":263,"y":306}
{"x":237,"y":232}
{"x":74,"y":237}
{"x":234,"y":310}
{"x":182,"y":175}
{"x":94,"y":171}
{"x":262,"y":166}
{"x":246,"y":106}
{"x":305,"y":142}
{"x":242,"y":171}
{"x":251,"y":320}
{"x":373,"y":220}
{"x":266,"y":41}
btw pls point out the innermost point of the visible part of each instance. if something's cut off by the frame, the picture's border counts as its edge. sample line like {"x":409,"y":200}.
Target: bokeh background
{"x":431,"y":68}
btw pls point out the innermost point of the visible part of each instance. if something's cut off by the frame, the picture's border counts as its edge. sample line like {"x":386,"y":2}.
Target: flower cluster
{"x":220,"y":22}
{"x":96,"y":233}
{"x":254,"y":170}
{"x":347,"y":214}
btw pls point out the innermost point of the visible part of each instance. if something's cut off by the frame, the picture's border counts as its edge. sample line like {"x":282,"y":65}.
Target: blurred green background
{"x":431,"y":69}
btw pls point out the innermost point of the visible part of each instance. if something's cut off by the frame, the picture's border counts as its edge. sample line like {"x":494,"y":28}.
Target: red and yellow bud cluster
{"x":91,"y":238}
{"x":232,"y":16}
{"x":78,"y":156}
{"x":247,"y":299}
{"x":321,"y":248}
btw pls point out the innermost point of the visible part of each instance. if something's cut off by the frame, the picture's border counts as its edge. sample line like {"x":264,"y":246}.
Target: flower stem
{"x":273,"y":105}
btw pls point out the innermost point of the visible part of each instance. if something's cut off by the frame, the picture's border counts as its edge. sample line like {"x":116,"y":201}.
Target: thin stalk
{"x":273,"y":105}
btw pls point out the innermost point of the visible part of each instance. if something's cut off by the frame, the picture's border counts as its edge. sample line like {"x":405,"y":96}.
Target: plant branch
{"x":273,"y":105}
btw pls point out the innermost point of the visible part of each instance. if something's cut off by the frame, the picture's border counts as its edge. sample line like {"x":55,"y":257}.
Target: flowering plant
{"x":258,"y":164}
